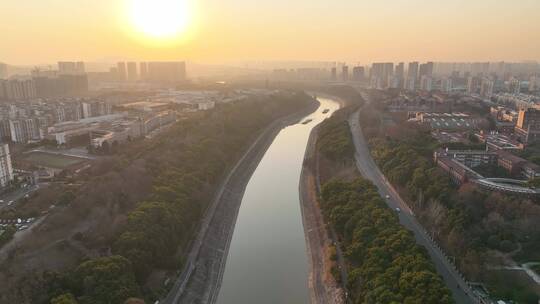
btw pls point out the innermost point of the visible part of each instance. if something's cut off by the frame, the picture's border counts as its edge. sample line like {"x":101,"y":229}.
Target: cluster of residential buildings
{"x":476,"y":79}
{"x":153,"y":72}
{"x":24,"y":122}
{"x":70,"y":79}
{"x":522,"y":125}
{"x":481,"y":79}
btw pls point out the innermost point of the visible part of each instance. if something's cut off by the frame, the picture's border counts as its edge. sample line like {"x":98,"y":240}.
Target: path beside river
{"x":322,"y":285}
{"x":200,"y":280}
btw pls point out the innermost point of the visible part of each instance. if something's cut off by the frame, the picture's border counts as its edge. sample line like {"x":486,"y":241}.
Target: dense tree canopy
{"x":334,"y":138}
{"x":185,"y":164}
{"x":467,"y":221}
{"x":386,"y":265}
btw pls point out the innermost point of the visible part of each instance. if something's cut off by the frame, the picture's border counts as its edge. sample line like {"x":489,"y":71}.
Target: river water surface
{"x":267,"y":261}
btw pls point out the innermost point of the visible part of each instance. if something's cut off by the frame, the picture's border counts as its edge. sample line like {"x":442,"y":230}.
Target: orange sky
{"x":43,"y":31}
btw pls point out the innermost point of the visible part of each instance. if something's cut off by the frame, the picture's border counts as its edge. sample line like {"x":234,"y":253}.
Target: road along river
{"x":267,"y":261}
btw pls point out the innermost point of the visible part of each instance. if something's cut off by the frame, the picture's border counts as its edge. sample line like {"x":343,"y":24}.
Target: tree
{"x":534,"y":183}
{"x":106,"y":280}
{"x":66,"y":298}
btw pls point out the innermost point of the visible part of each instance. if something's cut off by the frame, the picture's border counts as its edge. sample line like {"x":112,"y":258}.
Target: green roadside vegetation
{"x":384,"y":264}
{"x":102,"y":280}
{"x":185,"y":164}
{"x":334,"y":138}
{"x":478,"y":228}
{"x":531,"y":153}
{"x":536,"y":268}
{"x":6,"y":234}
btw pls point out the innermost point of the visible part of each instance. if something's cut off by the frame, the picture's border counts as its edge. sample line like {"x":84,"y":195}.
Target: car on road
{"x":398,"y":210}
{"x":10,"y":203}
{"x":387,"y":196}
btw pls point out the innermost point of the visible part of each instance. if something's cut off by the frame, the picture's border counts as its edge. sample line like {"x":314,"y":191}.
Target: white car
{"x":398,"y":210}
{"x":387,"y":196}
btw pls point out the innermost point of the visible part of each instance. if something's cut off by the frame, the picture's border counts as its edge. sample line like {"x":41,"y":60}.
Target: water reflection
{"x":267,"y":260}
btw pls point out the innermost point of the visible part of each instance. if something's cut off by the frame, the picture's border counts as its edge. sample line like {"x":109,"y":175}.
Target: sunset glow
{"x":162,"y":19}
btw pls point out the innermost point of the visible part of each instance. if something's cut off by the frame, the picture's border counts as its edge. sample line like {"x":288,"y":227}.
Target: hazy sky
{"x":42,"y":31}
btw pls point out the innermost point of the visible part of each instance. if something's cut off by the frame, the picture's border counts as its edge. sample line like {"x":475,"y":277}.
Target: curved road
{"x":367,"y":167}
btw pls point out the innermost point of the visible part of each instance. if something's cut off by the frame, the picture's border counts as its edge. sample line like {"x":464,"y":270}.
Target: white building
{"x":6,"y":170}
{"x":486,"y":87}
{"x":426,"y":83}
{"x":446,"y":84}
{"x":206,"y":105}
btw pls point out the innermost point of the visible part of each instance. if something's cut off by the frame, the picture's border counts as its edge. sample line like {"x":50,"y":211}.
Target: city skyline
{"x":354,"y":31}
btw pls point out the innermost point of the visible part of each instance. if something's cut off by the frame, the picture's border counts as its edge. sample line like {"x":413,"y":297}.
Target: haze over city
{"x":236,"y":30}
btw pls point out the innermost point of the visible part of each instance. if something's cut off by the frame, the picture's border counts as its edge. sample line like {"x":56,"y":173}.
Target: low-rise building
{"x":510,"y":162}
{"x":470,"y":158}
{"x":456,"y":171}
{"x":157,"y":121}
{"x":530,"y":170}
{"x":447,"y":121}
{"x":117,"y":132}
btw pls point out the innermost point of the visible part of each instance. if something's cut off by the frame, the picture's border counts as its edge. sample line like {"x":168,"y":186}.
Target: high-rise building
{"x":528,"y":117}
{"x":514,"y":86}
{"x":377,"y":70}
{"x":113,"y":73}
{"x":166,"y":72}
{"x":345,"y":73}
{"x":534,"y":83}
{"x":388,"y":70}
{"x":486,"y":87}
{"x":480,"y":68}
{"x":122,"y":73}
{"x":17,"y":89}
{"x":334,"y":73}
{"x":25,"y":130}
{"x":71,"y":68}
{"x":412,"y":75}
{"x":472,"y":84}
{"x":6,"y":170}
{"x":398,"y":80}
{"x":132,"y":71}
{"x":400,"y":70}
{"x":381,"y":74}
{"x":446,"y":84}
{"x":426,"y":83}
{"x":358,"y":73}
{"x":143,"y":70}
{"x":528,"y":125}
{"x":426,"y":69}
{"x":3,"y":71}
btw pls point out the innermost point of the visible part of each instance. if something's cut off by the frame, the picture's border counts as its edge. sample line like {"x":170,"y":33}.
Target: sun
{"x":160,"y":19}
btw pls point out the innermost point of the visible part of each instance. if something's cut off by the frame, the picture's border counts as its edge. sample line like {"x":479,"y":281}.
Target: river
{"x":267,"y":261}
